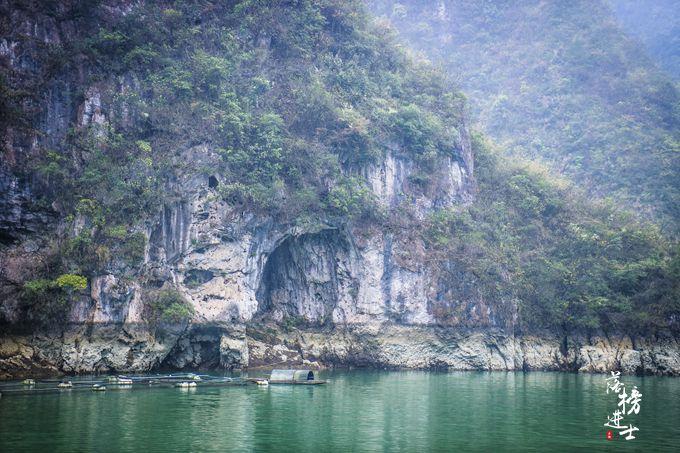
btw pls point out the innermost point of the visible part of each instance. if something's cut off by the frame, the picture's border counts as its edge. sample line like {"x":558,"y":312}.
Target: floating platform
{"x":117,"y":383}
{"x":128,"y":383}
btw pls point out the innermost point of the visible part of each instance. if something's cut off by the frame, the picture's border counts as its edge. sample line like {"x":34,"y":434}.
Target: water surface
{"x":357,"y":411}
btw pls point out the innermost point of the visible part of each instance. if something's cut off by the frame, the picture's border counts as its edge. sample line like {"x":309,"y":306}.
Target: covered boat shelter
{"x":291,"y":376}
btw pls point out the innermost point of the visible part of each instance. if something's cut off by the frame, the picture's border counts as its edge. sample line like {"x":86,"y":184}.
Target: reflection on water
{"x":357,"y":410}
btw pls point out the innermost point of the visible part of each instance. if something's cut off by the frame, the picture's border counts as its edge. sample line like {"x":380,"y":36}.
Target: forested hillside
{"x":294,"y":98}
{"x":288,"y":95}
{"x":560,"y":82}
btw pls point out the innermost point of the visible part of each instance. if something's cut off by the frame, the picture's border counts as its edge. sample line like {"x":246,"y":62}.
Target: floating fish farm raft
{"x":182,"y":381}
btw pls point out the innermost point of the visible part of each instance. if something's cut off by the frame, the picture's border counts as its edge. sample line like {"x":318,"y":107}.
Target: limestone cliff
{"x":267,"y":294}
{"x":263,"y":291}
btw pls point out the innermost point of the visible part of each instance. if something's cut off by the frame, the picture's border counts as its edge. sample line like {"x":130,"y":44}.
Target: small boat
{"x":184,"y":385}
{"x":300,"y":377}
{"x":98,"y":388}
{"x":262,"y":382}
{"x":120,"y":380}
{"x":65,"y":385}
{"x":28,"y":382}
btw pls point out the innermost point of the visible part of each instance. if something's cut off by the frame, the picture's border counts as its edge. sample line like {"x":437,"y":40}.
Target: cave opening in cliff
{"x":304,"y":278}
{"x":6,"y":238}
{"x":197,"y":349}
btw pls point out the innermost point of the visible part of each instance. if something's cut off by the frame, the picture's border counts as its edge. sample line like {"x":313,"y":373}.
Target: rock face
{"x":395,"y":346}
{"x":267,"y":293}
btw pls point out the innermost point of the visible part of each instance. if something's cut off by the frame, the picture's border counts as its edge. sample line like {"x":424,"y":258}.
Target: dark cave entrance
{"x":196,"y":349}
{"x":304,"y":278}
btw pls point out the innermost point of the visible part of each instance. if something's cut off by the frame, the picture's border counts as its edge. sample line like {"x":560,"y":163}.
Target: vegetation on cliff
{"x":569,"y":263}
{"x":283,"y":103}
{"x":563,"y":83}
{"x":45,"y":302}
{"x":168,"y":305}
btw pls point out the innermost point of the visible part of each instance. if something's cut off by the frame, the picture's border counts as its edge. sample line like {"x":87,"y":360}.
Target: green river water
{"x":356,"y":411}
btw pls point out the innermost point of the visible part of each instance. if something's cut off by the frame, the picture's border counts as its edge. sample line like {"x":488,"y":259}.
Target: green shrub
{"x":144,"y":146}
{"x":169,"y":305}
{"x":81,"y":250}
{"x":118,"y":232}
{"x":71,"y":282}
{"x":349,"y":198}
{"x":177,"y":313}
{"x":132,"y":248}
{"x":46,"y":302}
{"x":36,"y":291}
{"x":421,"y":133}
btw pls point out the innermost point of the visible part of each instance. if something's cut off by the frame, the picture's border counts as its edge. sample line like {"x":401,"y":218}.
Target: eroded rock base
{"x":125,"y":348}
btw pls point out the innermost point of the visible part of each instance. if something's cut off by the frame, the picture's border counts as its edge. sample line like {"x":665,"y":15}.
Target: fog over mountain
{"x":559,"y":82}
{"x":656,"y":23}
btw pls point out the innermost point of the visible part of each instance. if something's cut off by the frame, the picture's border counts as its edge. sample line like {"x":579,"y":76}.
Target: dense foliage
{"x":560,"y":81}
{"x":569,"y":263}
{"x":292,"y":96}
{"x":169,"y":306}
